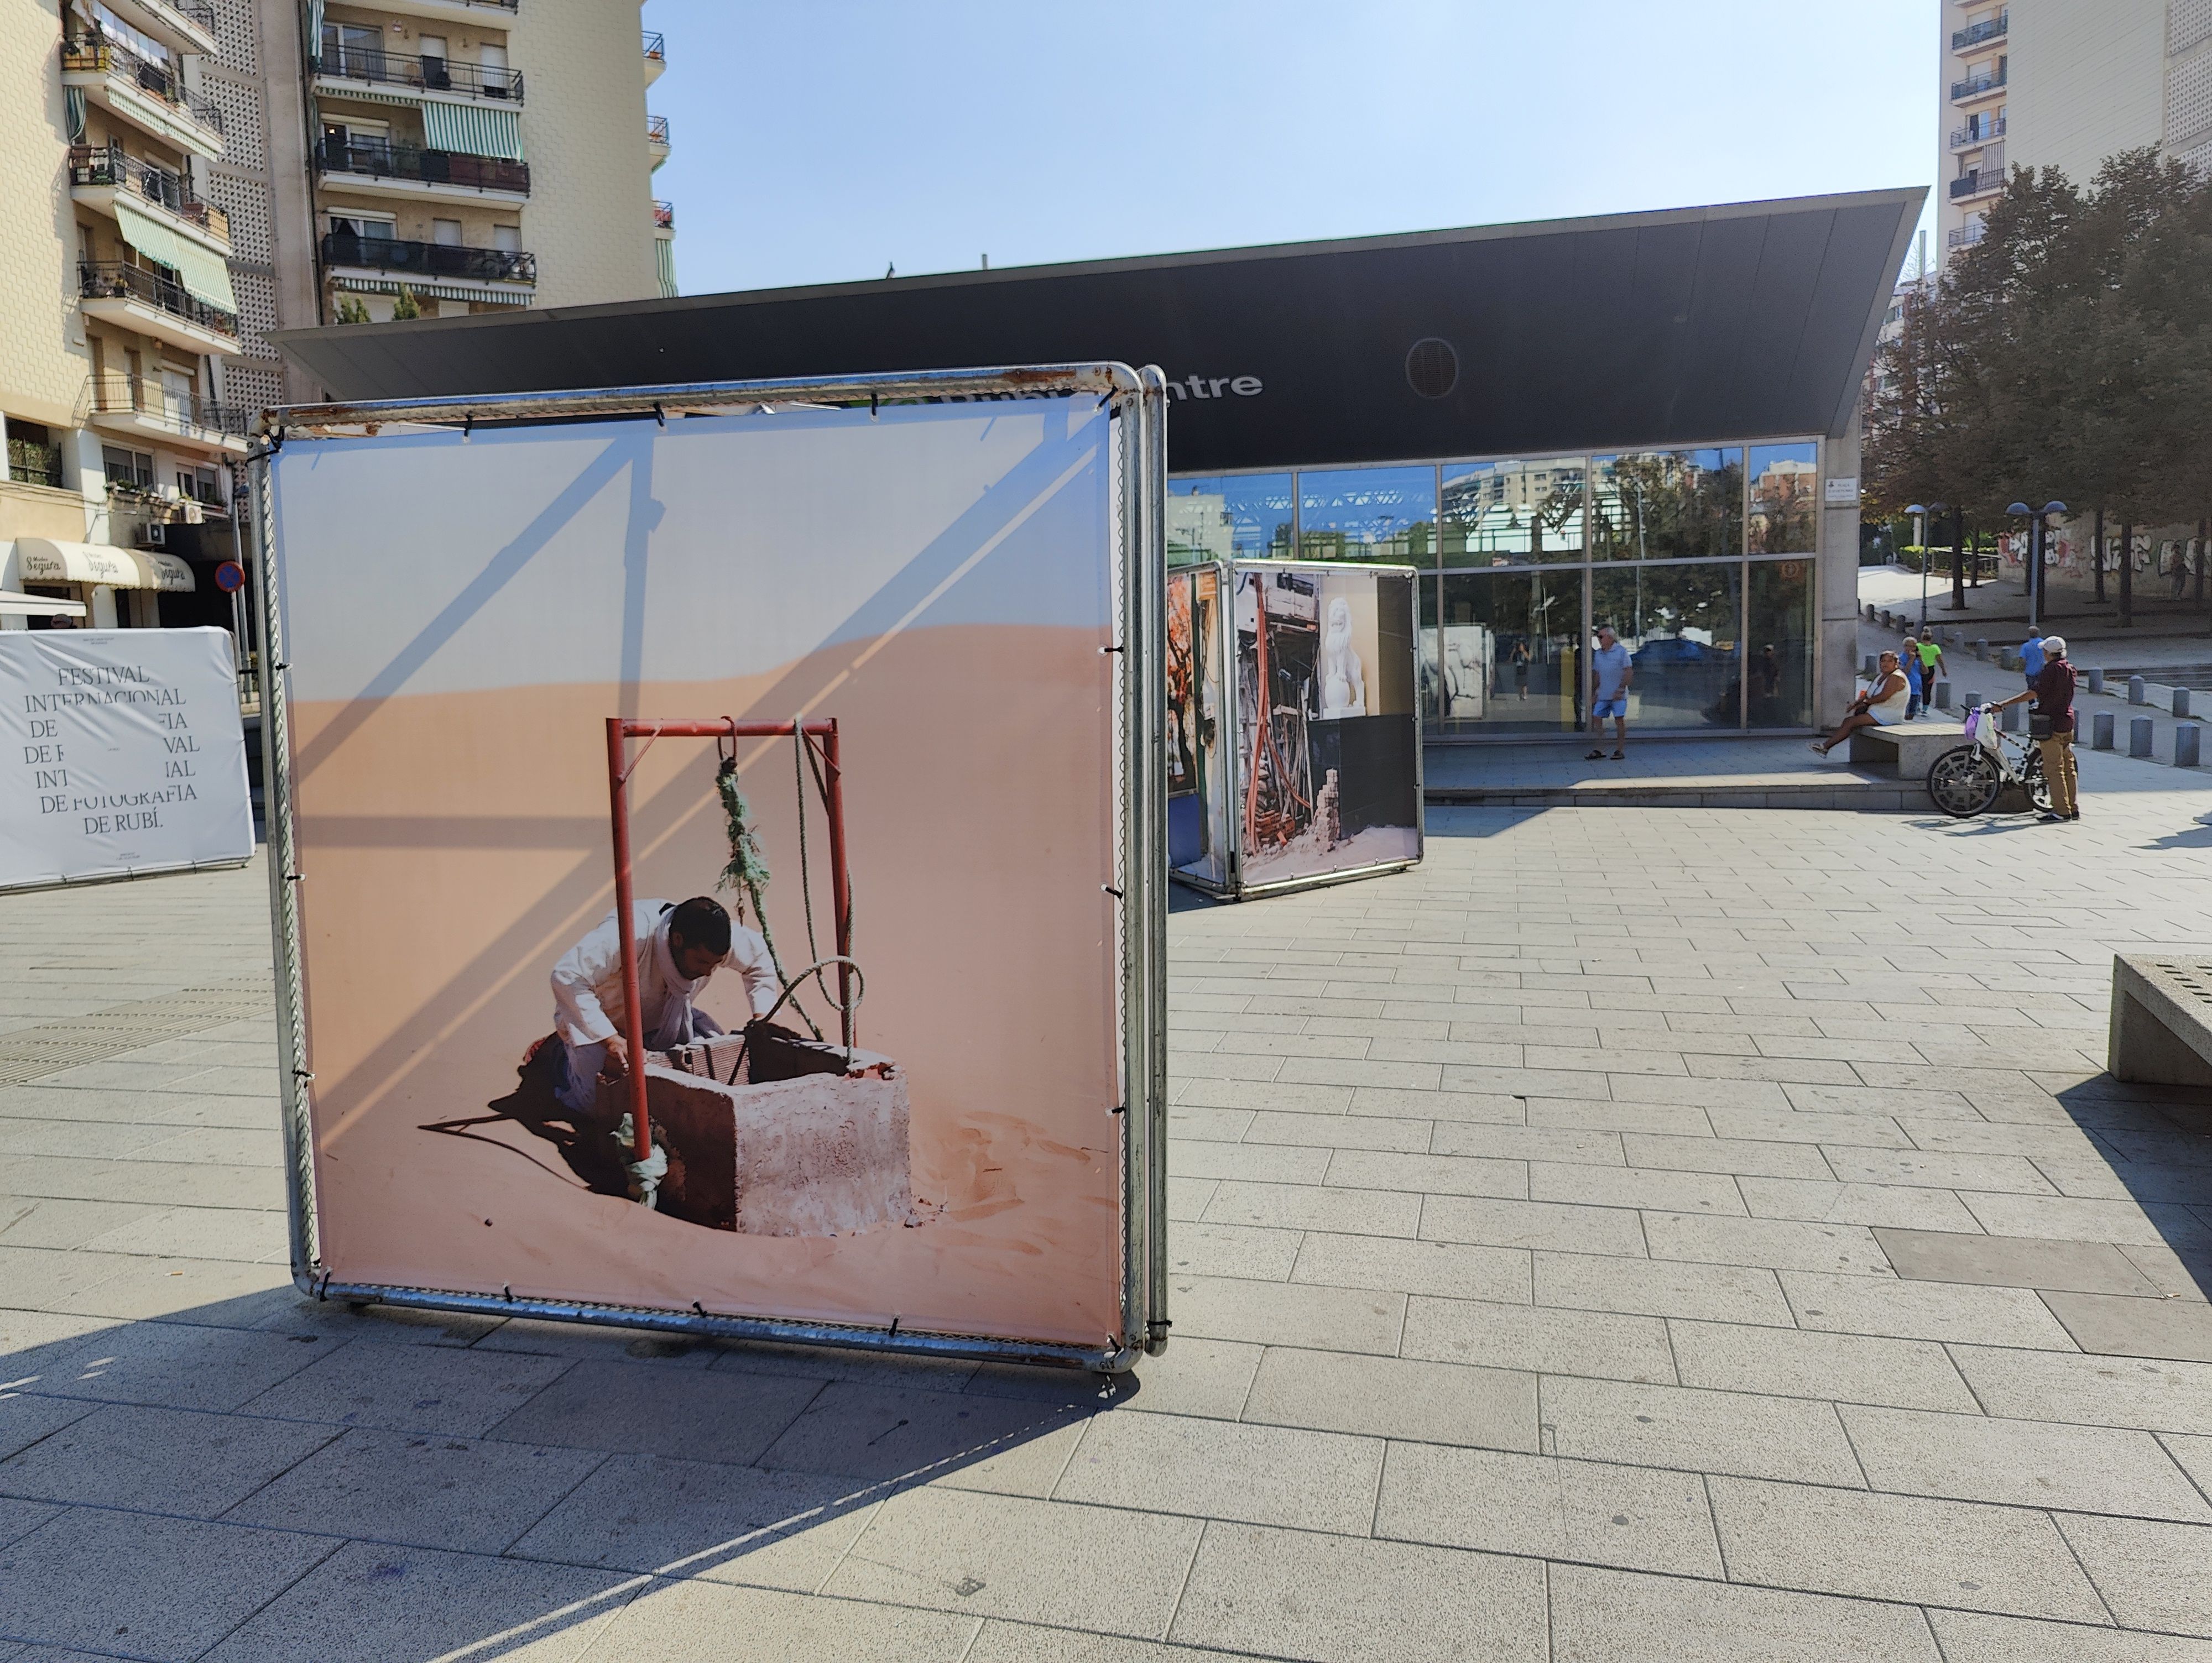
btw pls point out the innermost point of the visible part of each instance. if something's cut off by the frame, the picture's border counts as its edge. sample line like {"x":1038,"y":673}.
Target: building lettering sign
{"x":123,"y":754}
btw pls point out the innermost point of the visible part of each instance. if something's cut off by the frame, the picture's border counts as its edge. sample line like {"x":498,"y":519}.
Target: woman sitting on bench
{"x":1882,"y":705}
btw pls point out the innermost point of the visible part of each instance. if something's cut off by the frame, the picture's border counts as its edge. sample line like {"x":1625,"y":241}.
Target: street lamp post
{"x":1934,"y":509}
{"x":2039,"y":529}
{"x":1919,"y":512}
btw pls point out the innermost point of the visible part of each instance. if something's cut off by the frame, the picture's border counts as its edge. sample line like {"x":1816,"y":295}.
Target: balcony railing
{"x":664,"y":216}
{"x":111,"y":280}
{"x":97,"y":54}
{"x":32,"y":462}
{"x":1989,"y":28}
{"x":656,"y":129}
{"x":201,"y":12}
{"x":111,"y":167}
{"x":1978,"y":132}
{"x":373,"y":64}
{"x":1976,"y":86}
{"x":379,"y":157}
{"x":430,"y":260}
{"x":1973,"y":184}
{"x":1966,"y":235}
{"x":656,"y":47}
{"x":177,"y":412}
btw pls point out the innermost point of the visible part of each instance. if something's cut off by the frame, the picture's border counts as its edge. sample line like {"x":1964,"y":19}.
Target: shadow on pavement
{"x":271,"y":1476}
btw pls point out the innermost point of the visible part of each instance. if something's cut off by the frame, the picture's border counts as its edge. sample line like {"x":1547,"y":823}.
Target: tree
{"x":405,"y":306}
{"x":350,"y":310}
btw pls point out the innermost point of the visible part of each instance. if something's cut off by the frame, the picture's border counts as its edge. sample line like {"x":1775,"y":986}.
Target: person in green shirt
{"x":1931,"y":664}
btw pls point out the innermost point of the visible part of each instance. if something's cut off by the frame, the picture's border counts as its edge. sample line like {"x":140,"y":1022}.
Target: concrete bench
{"x":2162,"y":1031}
{"x":1908,"y":751}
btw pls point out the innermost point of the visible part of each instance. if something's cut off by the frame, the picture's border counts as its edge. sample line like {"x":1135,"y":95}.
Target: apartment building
{"x":2064,"y":83}
{"x":185,"y":176}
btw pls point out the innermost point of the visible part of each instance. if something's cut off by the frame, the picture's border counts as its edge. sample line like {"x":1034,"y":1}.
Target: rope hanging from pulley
{"x":748,"y":868}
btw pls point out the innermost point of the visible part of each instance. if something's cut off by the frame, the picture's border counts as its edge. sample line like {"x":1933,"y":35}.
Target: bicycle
{"x":1967,"y":779}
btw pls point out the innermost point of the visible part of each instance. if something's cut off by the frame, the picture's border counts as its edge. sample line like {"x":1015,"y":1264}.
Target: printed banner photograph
{"x":1198,"y":786}
{"x":127,"y":752}
{"x":1329,"y":745}
{"x":838,"y":690}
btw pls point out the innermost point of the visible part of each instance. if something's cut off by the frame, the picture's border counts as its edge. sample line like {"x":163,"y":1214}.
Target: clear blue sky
{"x":818,"y":141}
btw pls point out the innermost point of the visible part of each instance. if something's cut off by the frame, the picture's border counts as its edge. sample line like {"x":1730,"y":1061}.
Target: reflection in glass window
{"x":1234,"y":515}
{"x":1512,"y":513}
{"x":1501,"y":657}
{"x":1785,"y":494}
{"x":1679,"y":624}
{"x":1779,"y":641}
{"x":1668,"y":505}
{"x":1384,"y":515}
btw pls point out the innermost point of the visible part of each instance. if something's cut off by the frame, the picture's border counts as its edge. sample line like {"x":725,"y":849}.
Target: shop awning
{"x":472,"y":129}
{"x":13,"y":605}
{"x":205,"y":274}
{"x":49,"y":559}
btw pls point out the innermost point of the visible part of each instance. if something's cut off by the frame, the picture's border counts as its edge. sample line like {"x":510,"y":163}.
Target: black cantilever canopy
{"x":1735,"y":321}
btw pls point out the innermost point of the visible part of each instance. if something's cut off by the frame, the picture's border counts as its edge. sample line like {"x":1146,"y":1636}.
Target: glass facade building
{"x":1701,"y":558}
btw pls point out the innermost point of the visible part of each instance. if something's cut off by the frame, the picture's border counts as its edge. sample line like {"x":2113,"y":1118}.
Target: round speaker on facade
{"x":1432,"y":367}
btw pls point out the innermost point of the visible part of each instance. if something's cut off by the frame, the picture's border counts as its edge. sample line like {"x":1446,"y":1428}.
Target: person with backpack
{"x":2050,"y":724}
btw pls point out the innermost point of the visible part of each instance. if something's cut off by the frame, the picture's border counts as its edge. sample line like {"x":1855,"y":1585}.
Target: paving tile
{"x":165,"y":1460}
{"x":1194,"y":1376}
{"x":1014,"y":1642}
{"x":26,"y":1418}
{"x":2027,"y":1463}
{"x":1394,"y":1398}
{"x":1498,"y":1336}
{"x":1452,"y":1270}
{"x":1341,"y":1600}
{"x":2067,"y":1218}
{"x":2153,"y":1575}
{"x":2118,"y":1326}
{"x":1750,"y":1157}
{"x":1286,"y":1313}
{"x":1923,"y":1310}
{"x":426,"y":1388}
{"x":1613,"y":1617}
{"x":1559,"y":1145}
{"x":1249,"y":1095}
{"x":1936,"y":1169}
{"x":146,"y":1288}
{"x":719,"y":1414}
{"x":883,"y":1432}
{"x":1485,"y":1107}
{"x":1779,"y":1244}
{"x":1702,"y":1431}
{"x":1892,"y":1547}
{"x":1968,"y":1638}
{"x":92,"y":1580}
{"x":1906,"y":1374}
{"x":199,"y":1232}
{"x":2013,"y":1261}
{"x":1275,"y":1475}
{"x":1313,"y":1207}
{"x":1093,"y":1568}
{"x":1237,"y":1250}
{"x":1594,"y":1512}
{"x":1433,"y":1174}
{"x":1340,"y":1131}
{"x":2155,"y":1396}
{"x":1263,"y":1163}
{"x":27,"y":1223}
{"x":1645,"y":1287}
{"x":1793,"y":1125}
{"x":1891,"y":1205}
{"x":733,"y":1524}
{"x":1636,"y":1187}
{"x":1504,"y":1223}
{"x":1579,"y":1114}
{"x":372,"y":1602}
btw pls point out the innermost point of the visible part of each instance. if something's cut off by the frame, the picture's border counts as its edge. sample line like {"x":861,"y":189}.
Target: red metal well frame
{"x":620,"y":766}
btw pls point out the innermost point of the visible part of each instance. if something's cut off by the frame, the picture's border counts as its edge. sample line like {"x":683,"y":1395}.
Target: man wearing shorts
{"x":1610,"y":675}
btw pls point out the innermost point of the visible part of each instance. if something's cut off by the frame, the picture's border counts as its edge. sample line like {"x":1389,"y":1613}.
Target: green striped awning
{"x":204,"y":273}
{"x":664,"y":259}
{"x":472,"y":130}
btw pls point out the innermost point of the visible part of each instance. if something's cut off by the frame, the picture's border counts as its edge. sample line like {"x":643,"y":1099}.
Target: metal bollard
{"x":1973,"y":700}
{"x":1982,"y":649}
{"x":2096,"y":680}
{"x":2100,"y":730}
{"x":2137,"y":693}
{"x":2181,"y":701}
{"x":1866,"y":670}
{"x":1943,"y":700}
{"x":2008,"y":717}
{"x":2139,"y":732}
{"x":2184,"y":745}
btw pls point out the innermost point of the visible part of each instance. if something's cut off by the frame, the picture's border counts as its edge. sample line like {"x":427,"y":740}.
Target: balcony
{"x":1980,"y":86}
{"x":1980,"y":182}
{"x":1978,"y":132}
{"x":380,"y":168}
{"x":663,"y":217}
{"x":1966,"y":235}
{"x":186,"y":25}
{"x":342,"y":67}
{"x":656,"y":138}
{"x":147,"y":94}
{"x":512,"y":272}
{"x":1989,"y":28}
{"x":483,"y":14}
{"x":97,"y":176}
{"x":135,"y":297}
{"x":141,"y":407}
{"x":656,"y":57}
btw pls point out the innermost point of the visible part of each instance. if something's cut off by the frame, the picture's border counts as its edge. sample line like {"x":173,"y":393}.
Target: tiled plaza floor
{"x":1634,"y":1235}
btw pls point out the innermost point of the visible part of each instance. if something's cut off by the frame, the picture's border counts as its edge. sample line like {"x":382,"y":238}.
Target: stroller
{"x":1967,"y":780}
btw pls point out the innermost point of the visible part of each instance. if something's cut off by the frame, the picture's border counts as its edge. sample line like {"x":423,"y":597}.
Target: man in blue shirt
{"x":1610,"y":675}
{"x":2031,"y":657}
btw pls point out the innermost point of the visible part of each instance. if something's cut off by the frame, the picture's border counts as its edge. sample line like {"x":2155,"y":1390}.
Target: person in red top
{"x":2052,"y":724}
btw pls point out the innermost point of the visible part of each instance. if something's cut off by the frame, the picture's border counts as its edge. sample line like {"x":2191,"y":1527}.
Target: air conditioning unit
{"x":154,"y":536}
